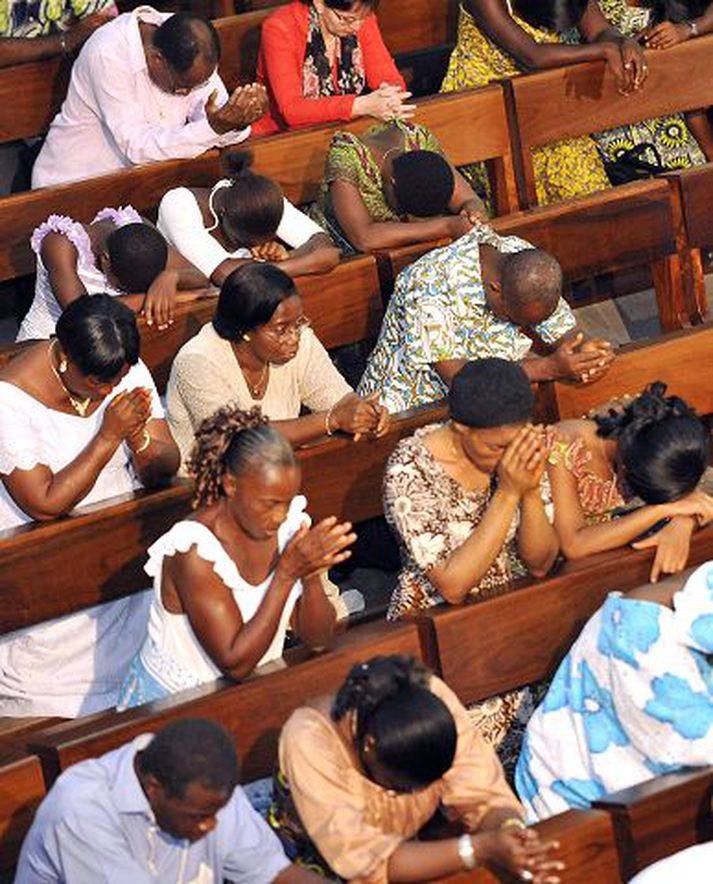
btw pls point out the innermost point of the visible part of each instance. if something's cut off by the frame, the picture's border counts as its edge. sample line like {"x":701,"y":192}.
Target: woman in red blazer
{"x":324,"y":61}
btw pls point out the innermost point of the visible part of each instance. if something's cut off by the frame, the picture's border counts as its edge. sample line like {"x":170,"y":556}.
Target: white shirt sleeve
{"x":180,"y":220}
{"x":295,"y":228}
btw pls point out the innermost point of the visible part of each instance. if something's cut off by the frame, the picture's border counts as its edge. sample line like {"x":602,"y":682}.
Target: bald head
{"x":185,"y":38}
{"x":531,"y":285}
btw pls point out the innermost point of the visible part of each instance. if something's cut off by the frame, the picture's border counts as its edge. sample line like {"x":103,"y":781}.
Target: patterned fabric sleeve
{"x":558,"y":324}
{"x":418,"y":137}
{"x":430,"y":325}
{"x":410,"y":497}
{"x":347,"y":159}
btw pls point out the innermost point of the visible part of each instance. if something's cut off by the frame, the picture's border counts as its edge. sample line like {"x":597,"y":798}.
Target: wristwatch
{"x":466,"y":852}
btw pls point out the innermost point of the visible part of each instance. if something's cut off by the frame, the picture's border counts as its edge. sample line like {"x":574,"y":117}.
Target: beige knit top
{"x":205,"y":375}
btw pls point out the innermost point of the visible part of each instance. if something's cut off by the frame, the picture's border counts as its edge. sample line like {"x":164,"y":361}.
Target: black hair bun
{"x":369,"y":684}
{"x":237,"y":163}
{"x":650,"y":407}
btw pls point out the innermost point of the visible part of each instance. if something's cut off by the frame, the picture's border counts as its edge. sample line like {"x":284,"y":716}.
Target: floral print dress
{"x":432,"y":515}
{"x":563,"y":170}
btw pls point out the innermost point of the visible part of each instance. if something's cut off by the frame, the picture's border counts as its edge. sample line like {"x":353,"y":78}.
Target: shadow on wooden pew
{"x":22,"y":787}
{"x":660,"y":817}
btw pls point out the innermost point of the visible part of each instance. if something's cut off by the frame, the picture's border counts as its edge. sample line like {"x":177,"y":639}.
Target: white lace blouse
{"x":32,"y":434}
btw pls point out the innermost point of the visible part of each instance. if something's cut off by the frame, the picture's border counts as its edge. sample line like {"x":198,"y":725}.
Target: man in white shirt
{"x":144,"y":88}
{"x":158,"y":810}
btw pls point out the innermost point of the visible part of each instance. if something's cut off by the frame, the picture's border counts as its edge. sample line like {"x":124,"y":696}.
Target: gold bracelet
{"x":145,"y":442}
{"x":513,"y":822}
{"x":328,"y":430}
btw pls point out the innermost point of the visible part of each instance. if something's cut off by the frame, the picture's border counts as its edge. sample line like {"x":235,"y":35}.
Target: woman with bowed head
{"x":231,"y":579}
{"x":324,"y":61}
{"x":362,"y":773}
{"x":463,"y":497}
{"x":393,"y":186}
{"x":654,"y":449}
{"x":260,"y":350}
{"x":242,"y":218}
{"x":504,"y":38}
{"x":80,"y":422}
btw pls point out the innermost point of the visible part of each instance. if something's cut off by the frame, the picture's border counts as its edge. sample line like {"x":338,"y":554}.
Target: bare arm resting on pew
{"x":602,"y":42}
{"x":191,"y":586}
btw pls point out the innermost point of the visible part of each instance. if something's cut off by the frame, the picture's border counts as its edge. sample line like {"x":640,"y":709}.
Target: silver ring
{"x":527,"y":875}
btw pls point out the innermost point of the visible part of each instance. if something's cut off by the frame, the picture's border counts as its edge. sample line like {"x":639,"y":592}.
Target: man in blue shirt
{"x":159,"y":809}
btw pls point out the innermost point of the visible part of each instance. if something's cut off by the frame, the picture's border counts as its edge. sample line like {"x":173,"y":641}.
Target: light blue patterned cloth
{"x":438,"y":311}
{"x":631,"y":700}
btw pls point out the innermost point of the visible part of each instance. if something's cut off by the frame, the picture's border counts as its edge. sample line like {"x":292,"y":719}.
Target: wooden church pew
{"x":106,"y":544}
{"x":662,"y":816}
{"x":22,"y":788}
{"x":253,"y":711}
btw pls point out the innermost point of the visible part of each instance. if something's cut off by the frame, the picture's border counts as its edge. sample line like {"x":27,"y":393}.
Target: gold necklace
{"x":79,"y":405}
{"x":255,"y":388}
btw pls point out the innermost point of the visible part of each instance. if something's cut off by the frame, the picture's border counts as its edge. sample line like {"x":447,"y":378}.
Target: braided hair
{"x":412,"y":729}
{"x":662,"y":444}
{"x":230,"y":441}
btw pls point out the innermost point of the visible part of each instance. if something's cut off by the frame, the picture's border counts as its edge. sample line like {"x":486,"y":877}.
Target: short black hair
{"x":137,"y":254}
{"x":413,"y":730}
{"x":254,"y":204}
{"x":423,"y":183}
{"x":530,"y":277}
{"x":662,"y":444}
{"x":490,"y":392}
{"x":99,"y":335}
{"x":184,"y":37}
{"x":249,"y":297}
{"x":191,"y":750}
{"x":552,"y":15}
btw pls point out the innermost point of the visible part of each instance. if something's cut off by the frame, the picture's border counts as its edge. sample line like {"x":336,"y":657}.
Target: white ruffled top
{"x":172,"y":653}
{"x":45,"y":309}
{"x":32,"y":434}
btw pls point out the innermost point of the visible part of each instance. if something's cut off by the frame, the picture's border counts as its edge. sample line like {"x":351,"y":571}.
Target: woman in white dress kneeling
{"x":80,"y":422}
{"x":230,"y":580}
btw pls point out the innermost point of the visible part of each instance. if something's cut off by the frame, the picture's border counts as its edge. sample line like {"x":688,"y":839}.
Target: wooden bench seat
{"x":110,"y":539}
{"x":487,"y":647}
{"x":252,"y":711}
{"x":22,"y":787}
{"x":661,"y":816}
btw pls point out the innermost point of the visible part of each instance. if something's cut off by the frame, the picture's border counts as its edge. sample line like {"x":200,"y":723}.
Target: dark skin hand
{"x":21,"y":50}
{"x":245,"y":521}
{"x":624,"y":57}
{"x":43,"y":494}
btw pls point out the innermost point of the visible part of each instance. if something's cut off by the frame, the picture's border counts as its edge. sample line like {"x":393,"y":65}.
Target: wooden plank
{"x":660,"y":817}
{"x":22,"y":788}
{"x":253,"y":711}
{"x":106,"y":543}
{"x":487,"y":647}
{"x":42,"y":85}
{"x":677,"y":359}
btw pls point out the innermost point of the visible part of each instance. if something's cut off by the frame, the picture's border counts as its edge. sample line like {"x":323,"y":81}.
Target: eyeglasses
{"x":285,"y":332}
{"x":177,"y":88}
{"x":348,"y":21}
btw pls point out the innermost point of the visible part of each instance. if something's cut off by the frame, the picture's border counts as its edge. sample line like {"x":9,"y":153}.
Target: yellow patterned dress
{"x":566,"y":169}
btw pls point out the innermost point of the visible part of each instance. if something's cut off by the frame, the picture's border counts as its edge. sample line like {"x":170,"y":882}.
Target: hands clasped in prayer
{"x":245,"y":105}
{"x":580,"y":360}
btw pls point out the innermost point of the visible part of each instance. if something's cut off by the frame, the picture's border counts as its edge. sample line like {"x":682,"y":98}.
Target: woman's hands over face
{"x":316,"y":549}
{"x":521,"y":467}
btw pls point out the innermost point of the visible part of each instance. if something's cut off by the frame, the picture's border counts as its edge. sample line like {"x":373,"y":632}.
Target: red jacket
{"x":279,"y":67}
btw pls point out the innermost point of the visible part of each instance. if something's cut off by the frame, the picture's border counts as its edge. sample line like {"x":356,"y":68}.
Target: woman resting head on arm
{"x":243,"y":217}
{"x":229,"y":581}
{"x":363,"y":772}
{"x":325,"y":60}
{"x":464,"y":497}
{"x":656,"y":449}
{"x":259,"y":348}
{"x":393,"y":186}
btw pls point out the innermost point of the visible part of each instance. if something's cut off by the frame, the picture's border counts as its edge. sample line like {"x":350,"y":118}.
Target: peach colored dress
{"x":355,"y":824}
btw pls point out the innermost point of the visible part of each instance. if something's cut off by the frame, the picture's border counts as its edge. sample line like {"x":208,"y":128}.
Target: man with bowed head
{"x":145,"y":88}
{"x":159,"y":809}
{"x":482,"y":296}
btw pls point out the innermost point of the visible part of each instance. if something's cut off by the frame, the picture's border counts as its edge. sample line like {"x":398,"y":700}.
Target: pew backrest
{"x":22,"y":788}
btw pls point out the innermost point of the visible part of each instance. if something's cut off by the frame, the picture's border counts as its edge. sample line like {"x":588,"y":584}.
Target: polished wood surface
{"x":22,"y":788}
